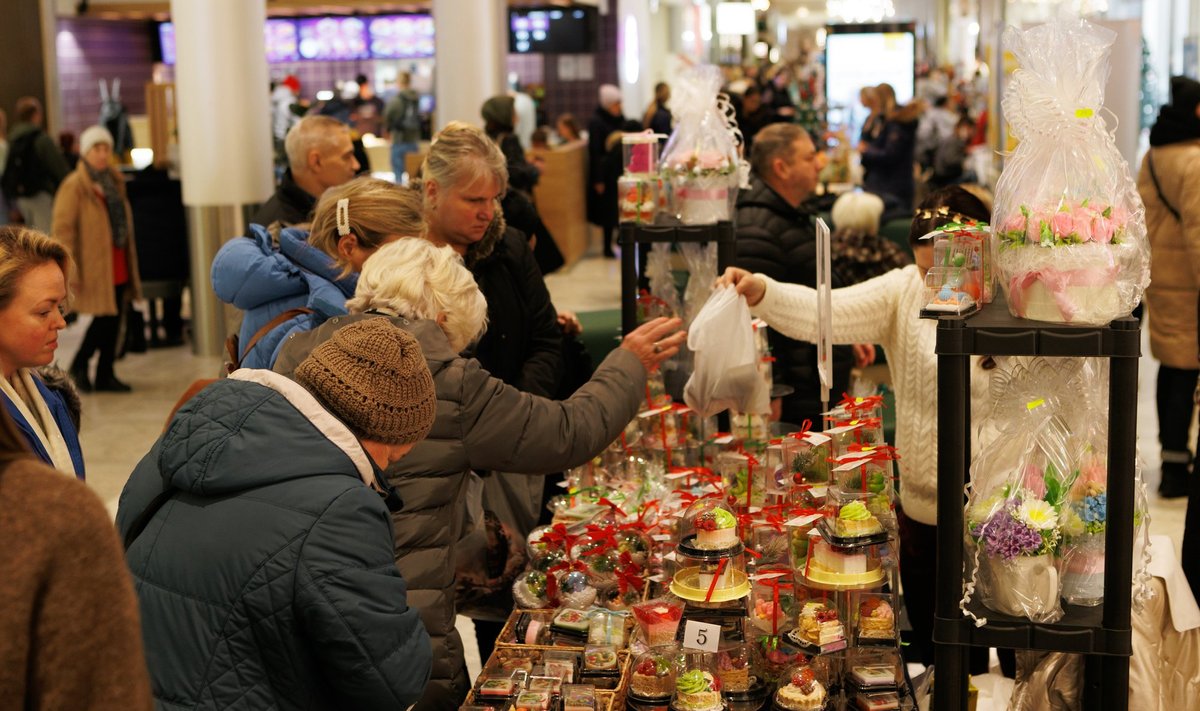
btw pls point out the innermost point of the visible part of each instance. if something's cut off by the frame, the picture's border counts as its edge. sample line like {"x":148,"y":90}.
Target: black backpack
{"x":24,"y":175}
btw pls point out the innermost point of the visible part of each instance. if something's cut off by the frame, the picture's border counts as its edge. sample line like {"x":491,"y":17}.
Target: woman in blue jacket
{"x":309,"y":275}
{"x":33,"y":298}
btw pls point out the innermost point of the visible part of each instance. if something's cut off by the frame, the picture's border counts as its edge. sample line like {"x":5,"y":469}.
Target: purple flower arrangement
{"x":1016,"y":525}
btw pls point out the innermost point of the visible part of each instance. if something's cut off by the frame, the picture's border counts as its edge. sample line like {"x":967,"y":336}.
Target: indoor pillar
{"x":470,"y":58}
{"x":225,"y":150}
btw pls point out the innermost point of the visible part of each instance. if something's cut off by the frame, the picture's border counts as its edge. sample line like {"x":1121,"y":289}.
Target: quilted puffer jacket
{"x":267,"y":580}
{"x":264,"y":275}
{"x":481,"y":423}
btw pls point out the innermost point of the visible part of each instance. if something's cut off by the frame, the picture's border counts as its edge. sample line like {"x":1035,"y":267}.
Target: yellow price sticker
{"x":1035,"y":404}
{"x":1084,"y":113}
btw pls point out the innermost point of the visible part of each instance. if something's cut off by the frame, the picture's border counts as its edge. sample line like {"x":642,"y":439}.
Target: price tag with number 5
{"x":701,"y":636}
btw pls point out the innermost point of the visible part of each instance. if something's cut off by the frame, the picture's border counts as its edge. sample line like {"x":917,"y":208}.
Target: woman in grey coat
{"x":481,"y":423}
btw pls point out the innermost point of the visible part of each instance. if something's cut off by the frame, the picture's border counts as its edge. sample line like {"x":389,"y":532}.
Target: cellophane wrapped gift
{"x":1069,"y":224}
{"x":700,"y":160}
{"x":1018,"y":492}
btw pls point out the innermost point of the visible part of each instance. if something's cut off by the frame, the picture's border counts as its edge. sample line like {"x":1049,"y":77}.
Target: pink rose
{"x":1034,"y":480}
{"x":1033,"y":228}
{"x":1013,"y":223}
{"x":1082,"y":219}
{"x":1062,"y":224}
{"x":712,"y":160}
{"x":1103,"y":229}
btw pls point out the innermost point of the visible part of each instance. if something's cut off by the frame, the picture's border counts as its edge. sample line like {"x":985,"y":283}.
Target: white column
{"x":471,"y":46}
{"x":224,"y":119}
{"x":634,"y":66}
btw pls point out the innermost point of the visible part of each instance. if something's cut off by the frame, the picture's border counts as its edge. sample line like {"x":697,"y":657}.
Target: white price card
{"x":701,"y":636}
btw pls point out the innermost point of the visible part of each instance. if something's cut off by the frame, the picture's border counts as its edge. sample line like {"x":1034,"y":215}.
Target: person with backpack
{"x":402,"y":117}
{"x":34,"y":168}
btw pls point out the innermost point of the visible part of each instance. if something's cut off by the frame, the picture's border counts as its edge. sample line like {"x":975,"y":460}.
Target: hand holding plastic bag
{"x":726,"y":372}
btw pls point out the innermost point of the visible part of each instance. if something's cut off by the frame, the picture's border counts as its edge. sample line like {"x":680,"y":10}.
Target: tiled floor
{"x":119,"y":429}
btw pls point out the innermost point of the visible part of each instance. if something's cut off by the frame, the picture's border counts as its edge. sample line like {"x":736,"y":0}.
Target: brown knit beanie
{"x":373,"y":377}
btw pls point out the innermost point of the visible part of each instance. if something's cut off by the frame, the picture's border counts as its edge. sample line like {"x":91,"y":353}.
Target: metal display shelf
{"x":633,"y":234}
{"x":1102,"y":634}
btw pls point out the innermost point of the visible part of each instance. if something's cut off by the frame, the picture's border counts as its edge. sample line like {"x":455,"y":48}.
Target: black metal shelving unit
{"x":1101,"y":633}
{"x":633,"y":234}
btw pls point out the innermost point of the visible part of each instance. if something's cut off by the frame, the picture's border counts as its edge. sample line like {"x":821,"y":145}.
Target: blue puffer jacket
{"x":264,"y":278}
{"x":268,"y":580}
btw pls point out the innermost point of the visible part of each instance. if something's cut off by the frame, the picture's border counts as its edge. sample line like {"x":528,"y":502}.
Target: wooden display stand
{"x":561,"y":197}
{"x":160,"y":111}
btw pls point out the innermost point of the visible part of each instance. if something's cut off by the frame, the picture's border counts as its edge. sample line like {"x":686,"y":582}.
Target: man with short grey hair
{"x":776,"y":236}
{"x":320,"y":155}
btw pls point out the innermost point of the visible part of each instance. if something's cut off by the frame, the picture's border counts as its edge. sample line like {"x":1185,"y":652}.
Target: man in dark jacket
{"x":776,"y":237}
{"x":602,"y":182}
{"x":320,"y":155}
{"x":259,"y":535}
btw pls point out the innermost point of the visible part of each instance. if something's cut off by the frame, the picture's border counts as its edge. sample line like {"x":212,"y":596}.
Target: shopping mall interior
{"x":192,"y":93}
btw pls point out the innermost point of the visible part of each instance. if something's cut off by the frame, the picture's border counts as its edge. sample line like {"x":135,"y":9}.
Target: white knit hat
{"x":93,"y":135}
{"x":609,"y":94}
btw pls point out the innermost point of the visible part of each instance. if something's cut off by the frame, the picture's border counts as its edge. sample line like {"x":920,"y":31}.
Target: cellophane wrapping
{"x":701,"y":160}
{"x":1069,"y":225}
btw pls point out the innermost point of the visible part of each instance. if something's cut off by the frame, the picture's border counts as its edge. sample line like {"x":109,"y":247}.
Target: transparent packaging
{"x":710,"y":558}
{"x":821,"y":621}
{"x":745,"y":479}
{"x":874,"y":619}
{"x":640,"y":153}
{"x":808,"y":457}
{"x":697,"y":687}
{"x":852,"y":518}
{"x":802,"y":688}
{"x":946,"y":292}
{"x":700,"y":159}
{"x":1070,"y":226}
{"x":658,"y":620}
{"x":836,"y":567}
{"x":652,"y":675}
{"x":874,"y":669}
{"x":772,"y":604}
{"x":638,"y":198}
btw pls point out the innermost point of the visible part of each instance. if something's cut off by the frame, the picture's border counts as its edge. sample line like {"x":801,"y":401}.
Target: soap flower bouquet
{"x":1017,"y":532}
{"x":1085,"y":519}
{"x":1070,"y":224}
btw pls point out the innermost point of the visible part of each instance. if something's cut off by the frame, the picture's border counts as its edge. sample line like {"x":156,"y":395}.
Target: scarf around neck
{"x":114,"y":202}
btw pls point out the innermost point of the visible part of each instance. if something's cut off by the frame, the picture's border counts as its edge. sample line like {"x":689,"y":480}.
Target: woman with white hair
{"x":859,"y":252}
{"x":92,"y":217}
{"x":482,"y":423}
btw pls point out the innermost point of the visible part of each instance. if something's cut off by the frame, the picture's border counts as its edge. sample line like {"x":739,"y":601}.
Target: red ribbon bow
{"x":785,"y":582}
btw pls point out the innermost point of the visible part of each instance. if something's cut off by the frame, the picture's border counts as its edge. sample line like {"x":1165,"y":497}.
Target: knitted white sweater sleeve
{"x":862,"y":313}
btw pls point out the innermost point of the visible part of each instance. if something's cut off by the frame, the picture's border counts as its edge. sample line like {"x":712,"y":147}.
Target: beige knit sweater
{"x":886,"y":311}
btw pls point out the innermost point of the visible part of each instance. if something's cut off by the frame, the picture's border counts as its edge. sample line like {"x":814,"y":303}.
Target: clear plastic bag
{"x":726,"y":367}
{"x":1069,"y":225}
{"x":700,"y":160}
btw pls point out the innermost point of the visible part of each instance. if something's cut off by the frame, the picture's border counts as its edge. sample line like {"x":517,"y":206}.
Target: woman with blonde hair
{"x":33,"y":299}
{"x":293,"y":280}
{"x":482,"y":424}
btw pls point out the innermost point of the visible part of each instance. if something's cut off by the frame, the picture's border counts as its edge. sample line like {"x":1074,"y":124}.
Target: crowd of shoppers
{"x":305,"y":531}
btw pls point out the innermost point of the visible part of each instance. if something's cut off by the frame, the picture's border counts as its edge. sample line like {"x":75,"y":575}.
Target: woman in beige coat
{"x":1169,"y":183}
{"x":93,"y":218}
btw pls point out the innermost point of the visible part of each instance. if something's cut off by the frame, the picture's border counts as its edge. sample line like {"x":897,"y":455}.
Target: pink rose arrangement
{"x":1071,"y":223}
{"x":699,"y":163}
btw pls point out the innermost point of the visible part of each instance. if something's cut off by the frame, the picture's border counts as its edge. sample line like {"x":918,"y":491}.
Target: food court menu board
{"x":333,"y":38}
{"x":401,"y":36}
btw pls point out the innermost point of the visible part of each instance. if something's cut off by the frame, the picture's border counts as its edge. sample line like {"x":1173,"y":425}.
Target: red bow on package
{"x":558,"y":537}
{"x":602,"y":539}
{"x":629,"y":575}
{"x":860,"y":405}
{"x":552,"y":577}
{"x":781,"y":582}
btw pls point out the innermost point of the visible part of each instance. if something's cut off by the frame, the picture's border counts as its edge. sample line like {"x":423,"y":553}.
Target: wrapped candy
{"x":1070,"y":226}
{"x":700,"y":160}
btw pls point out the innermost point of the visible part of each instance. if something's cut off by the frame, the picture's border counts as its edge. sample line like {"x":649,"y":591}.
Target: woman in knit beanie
{"x":258,"y":531}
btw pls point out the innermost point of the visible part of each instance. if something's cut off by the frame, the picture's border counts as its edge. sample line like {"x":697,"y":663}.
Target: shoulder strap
{"x":231,"y":343}
{"x":147,"y":513}
{"x":1158,"y":188}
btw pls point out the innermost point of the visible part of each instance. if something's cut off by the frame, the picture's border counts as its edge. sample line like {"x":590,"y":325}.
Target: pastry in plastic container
{"x":653,"y":674}
{"x":697,"y":690}
{"x":801,"y":690}
{"x":659,"y":620}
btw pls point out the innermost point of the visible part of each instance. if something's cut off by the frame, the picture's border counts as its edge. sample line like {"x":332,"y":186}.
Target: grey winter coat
{"x":481,"y":423}
{"x":267,"y":581}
